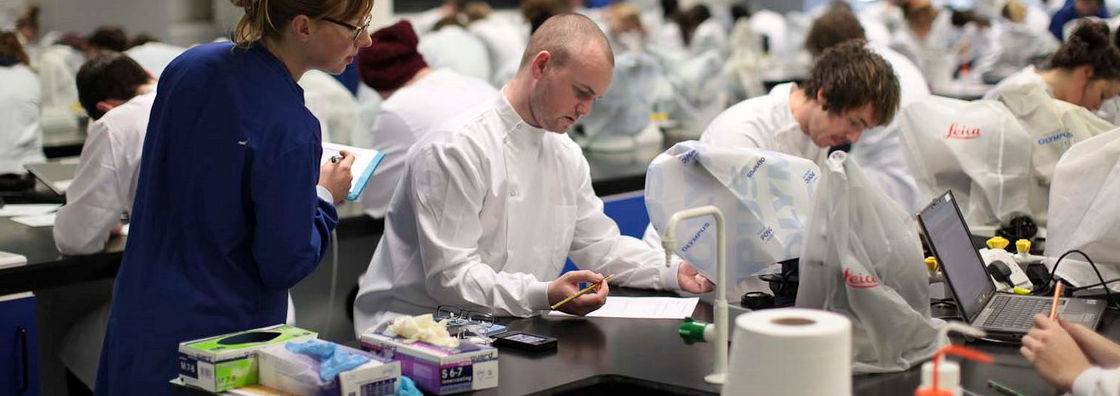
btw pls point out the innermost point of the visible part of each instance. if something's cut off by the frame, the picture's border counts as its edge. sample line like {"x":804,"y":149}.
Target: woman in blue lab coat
{"x":231,"y":207}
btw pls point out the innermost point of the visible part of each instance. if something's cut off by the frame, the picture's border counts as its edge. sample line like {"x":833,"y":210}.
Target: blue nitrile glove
{"x":331,"y":360}
{"x":408,"y":388}
{"x":341,"y":361}
{"x":318,"y":350}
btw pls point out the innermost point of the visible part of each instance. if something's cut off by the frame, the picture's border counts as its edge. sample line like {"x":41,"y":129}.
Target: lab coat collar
{"x":512,"y":122}
{"x":780,"y":93}
{"x":277,"y":66}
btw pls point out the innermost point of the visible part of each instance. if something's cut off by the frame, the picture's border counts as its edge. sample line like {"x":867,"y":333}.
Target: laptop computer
{"x":55,"y":175}
{"x":1000,"y":314}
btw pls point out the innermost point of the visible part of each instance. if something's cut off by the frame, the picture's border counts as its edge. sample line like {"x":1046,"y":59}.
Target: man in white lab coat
{"x":879,"y":150}
{"x":117,"y":94}
{"x":417,"y":99}
{"x":849,"y":90}
{"x":492,"y":202}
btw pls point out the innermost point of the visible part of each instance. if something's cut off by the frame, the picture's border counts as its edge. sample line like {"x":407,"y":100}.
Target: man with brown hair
{"x":492,"y":202}
{"x":849,"y":90}
{"x":879,"y":150}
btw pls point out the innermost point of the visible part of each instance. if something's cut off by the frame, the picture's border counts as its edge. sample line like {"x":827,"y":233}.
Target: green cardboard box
{"x":228,"y":361}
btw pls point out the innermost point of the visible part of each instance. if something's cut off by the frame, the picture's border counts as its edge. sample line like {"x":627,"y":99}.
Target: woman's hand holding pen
{"x":335,"y":175}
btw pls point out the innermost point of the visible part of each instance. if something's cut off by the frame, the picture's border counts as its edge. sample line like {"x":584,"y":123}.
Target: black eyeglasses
{"x":358,"y":30}
{"x":459,"y":319}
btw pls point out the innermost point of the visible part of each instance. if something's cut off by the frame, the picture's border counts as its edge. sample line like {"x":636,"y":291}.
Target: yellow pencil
{"x":582,"y":292}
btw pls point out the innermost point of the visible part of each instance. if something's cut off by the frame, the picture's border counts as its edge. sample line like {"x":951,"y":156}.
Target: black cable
{"x":1107,"y":292}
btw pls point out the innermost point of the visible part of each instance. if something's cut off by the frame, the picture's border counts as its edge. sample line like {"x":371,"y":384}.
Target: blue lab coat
{"x":1067,"y":13}
{"x":225,"y":219}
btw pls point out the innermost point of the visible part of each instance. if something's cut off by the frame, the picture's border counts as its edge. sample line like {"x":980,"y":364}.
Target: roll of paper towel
{"x":790,"y":351}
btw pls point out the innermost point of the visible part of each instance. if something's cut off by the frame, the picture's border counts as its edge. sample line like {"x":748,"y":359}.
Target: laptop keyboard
{"x":1016,"y":313}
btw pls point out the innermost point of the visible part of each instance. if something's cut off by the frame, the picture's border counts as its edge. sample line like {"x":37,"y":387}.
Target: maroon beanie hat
{"x":392,"y":60}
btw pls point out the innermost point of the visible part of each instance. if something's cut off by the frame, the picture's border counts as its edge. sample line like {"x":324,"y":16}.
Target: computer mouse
{"x":1001,"y":272}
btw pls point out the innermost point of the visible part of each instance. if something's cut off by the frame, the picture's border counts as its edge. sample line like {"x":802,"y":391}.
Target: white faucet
{"x":719,"y":374}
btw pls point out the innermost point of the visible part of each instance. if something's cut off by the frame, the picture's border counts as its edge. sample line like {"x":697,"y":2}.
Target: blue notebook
{"x":365,"y":163}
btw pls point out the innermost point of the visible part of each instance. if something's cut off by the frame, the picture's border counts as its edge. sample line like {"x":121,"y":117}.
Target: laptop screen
{"x":948,"y":238}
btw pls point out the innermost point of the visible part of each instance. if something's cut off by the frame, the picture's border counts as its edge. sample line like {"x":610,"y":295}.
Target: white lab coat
{"x":765,"y":122}
{"x":938,"y":54}
{"x":1023,"y":44}
{"x":1097,"y":381}
{"x":59,"y":90}
{"x":21,"y":140}
{"x":483,"y":218}
{"x":1026,"y":76}
{"x":1110,"y":110}
{"x":454,"y":48}
{"x":154,"y":56}
{"x":332,"y":104}
{"x":105,"y":182}
{"x":409,"y":114}
{"x":773,"y":26}
{"x":709,"y":36}
{"x":505,"y":41}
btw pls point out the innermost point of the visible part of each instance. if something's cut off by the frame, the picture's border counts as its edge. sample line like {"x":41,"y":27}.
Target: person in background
{"x":504,"y":39}
{"x":27,"y":28}
{"x":1074,"y":9}
{"x":850,"y":89}
{"x":417,"y":98}
{"x":232,"y":206}
{"x":492,"y":202}
{"x":117,"y":93}
{"x":942,"y":43}
{"x":536,"y":12}
{"x":703,"y":33}
{"x":1026,"y":44}
{"x":152,"y":54}
{"x":879,"y":150}
{"x":1085,"y":71}
{"x":1073,"y":358}
{"x":449,"y":46}
{"x":21,"y":140}
{"x":105,"y":38}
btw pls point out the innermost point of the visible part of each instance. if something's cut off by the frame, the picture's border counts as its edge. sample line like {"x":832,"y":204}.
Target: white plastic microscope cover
{"x":977,"y":149}
{"x":765,"y":197}
{"x":1083,"y":210}
{"x":863,"y":259}
{"x":1054,"y":126}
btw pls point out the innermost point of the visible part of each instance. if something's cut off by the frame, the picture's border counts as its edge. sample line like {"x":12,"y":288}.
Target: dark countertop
{"x":647,"y":356}
{"x":610,"y":356}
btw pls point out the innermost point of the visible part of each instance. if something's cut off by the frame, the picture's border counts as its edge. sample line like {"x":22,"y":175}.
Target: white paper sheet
{"x":46,"y":220}
{"x":643,"y":308}
{"x":27,"y":209}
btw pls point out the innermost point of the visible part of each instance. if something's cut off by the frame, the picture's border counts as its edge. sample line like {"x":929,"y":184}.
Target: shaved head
{"x":565,"y":35}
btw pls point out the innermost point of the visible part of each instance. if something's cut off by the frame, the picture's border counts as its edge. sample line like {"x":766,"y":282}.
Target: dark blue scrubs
{"x":226,"y":217}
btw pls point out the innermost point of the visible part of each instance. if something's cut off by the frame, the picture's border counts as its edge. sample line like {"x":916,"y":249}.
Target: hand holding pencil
{"x":564,"y":293}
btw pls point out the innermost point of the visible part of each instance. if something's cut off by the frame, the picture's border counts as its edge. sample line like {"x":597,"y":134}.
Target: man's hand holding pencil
{"x":565,"y":295}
